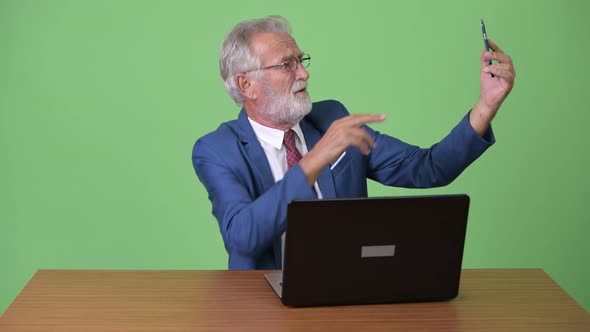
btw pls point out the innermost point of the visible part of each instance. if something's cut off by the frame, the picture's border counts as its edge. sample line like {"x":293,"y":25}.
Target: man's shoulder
{"x":324,"y":112}
{"x":225,"y":130}
{"x":330,"y":105}
{"x":219,"y":139}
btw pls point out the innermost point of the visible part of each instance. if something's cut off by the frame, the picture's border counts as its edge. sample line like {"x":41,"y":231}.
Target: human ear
{"x":246,"y":86}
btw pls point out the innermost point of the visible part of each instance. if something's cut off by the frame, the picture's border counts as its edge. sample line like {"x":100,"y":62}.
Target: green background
{"x":101,"y":102}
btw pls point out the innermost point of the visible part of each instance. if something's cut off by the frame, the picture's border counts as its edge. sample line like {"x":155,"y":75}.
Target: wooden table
{"x":87,"y":300}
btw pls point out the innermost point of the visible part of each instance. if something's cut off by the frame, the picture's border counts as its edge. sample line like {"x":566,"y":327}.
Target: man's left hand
{"x":493,"y":90}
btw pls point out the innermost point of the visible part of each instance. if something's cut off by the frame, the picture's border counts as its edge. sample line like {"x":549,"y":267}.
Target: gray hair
{"x":236,"y":54}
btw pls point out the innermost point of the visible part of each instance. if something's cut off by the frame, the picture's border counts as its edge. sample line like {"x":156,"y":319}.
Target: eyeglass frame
{"x":288,"y":64}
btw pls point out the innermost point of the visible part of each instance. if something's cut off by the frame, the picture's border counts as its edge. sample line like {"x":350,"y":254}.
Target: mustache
{"x":298,"y":85}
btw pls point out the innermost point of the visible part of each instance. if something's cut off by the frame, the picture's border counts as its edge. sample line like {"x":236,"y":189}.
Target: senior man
{"x":283,"y":147}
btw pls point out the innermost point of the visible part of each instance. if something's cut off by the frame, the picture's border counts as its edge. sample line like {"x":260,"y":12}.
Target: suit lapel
{"x":255,"y":152}
{"x":325,"y":180}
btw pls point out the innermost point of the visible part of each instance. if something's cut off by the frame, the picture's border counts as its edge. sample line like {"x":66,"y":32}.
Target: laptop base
{"x":275,"y":279}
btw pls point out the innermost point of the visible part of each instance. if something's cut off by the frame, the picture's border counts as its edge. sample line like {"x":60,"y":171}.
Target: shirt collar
{"x":273,"y":136}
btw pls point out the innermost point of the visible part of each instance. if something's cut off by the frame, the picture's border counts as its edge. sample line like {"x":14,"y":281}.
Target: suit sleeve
{"x":249,"y":220}
{"x":399,"y":164}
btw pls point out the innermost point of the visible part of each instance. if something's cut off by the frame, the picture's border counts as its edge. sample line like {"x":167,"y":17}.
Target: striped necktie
{"x":293,"y":155}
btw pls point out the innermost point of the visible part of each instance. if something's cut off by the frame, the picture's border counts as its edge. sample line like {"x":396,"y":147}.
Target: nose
{"x":301,"y":73}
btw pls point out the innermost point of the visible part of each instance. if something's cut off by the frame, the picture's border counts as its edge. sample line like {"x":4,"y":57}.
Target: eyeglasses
{"x":290,"y":65}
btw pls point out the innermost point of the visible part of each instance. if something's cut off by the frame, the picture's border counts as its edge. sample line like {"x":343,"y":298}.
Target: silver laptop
{"x":372,"y":250}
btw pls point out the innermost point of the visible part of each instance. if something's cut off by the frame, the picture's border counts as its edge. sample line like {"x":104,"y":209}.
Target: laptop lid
{"x":373,"y":250}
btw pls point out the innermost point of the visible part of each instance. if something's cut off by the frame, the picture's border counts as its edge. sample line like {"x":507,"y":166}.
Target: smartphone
{"x":485,"y":40}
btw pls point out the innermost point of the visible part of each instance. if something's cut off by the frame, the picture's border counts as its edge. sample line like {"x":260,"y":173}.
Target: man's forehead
{"x":273,"y":44}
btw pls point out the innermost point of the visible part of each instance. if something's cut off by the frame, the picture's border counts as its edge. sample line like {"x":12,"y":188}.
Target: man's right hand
{"x":342,"y":133}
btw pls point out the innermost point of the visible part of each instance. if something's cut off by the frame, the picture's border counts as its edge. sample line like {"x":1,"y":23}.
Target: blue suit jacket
{"x":251,"y":208}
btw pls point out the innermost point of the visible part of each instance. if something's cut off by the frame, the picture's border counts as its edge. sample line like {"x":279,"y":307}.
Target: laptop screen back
{"x":374,"y":250}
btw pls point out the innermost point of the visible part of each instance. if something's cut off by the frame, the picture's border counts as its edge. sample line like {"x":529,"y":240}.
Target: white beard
{"x":286,"y":109}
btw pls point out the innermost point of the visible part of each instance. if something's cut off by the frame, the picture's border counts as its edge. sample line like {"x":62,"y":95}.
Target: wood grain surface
{"x":99,"y":300}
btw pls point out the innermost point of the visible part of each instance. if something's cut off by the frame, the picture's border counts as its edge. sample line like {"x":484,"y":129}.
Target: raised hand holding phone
{"x":493,"y":90}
